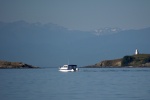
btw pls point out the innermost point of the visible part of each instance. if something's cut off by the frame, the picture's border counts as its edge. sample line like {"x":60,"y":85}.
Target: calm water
{"x":87,"y":84}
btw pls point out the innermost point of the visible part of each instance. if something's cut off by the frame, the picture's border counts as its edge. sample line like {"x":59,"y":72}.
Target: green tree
{"x":126,"y":60}
{"x":146,"y":60}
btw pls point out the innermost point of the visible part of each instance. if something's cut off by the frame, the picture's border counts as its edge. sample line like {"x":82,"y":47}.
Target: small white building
{"x":136,"y":52}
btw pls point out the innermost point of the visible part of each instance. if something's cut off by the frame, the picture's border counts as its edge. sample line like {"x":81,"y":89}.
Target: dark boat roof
{"x":72,"y":65}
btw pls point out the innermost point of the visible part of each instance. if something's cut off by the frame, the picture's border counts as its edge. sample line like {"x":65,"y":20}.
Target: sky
{"x":82,"y":15}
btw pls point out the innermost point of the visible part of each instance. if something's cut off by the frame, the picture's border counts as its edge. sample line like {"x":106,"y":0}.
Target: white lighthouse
{"x":136,"y":52}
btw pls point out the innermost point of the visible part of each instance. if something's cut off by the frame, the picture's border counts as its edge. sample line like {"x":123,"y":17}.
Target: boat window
{"x":72,"y":66}
{"x":65,"y":66}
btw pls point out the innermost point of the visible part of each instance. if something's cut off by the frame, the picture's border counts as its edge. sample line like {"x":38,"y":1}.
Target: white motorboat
{"x":69,"y":68}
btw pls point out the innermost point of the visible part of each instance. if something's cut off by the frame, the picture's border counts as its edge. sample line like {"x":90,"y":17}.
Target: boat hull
{"x":67,"y":70}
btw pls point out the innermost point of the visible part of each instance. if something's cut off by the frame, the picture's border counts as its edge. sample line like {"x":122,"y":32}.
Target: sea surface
{"x":87,"y":84}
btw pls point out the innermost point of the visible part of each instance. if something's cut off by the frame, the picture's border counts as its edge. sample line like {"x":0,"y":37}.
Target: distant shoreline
{"x":134,"y":61}
{"x":15,"y":65}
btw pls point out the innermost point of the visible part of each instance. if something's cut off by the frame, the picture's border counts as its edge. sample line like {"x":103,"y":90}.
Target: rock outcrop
{"x":110,"y":63}
{"x":140,"y":60}
{"x":7,"y":64}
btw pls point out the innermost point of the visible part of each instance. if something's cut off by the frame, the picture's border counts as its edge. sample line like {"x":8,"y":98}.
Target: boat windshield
{"x":65,"y":66}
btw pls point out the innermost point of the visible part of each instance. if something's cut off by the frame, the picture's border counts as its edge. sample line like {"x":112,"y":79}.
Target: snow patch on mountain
{"x":106,"y":31}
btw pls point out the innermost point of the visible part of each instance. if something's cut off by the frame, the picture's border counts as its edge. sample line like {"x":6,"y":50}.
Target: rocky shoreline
{"x":134,"y":61}
{"x":10,"y":65}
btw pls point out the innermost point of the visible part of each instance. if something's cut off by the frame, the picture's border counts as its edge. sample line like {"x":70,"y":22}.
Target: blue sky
{"x":79,"y":14}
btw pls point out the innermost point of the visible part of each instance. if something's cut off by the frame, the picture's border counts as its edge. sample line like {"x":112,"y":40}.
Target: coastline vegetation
{"x":134,"y":61}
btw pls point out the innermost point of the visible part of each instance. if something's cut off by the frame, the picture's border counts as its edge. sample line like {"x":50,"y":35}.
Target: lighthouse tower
{"x":136,"y":52}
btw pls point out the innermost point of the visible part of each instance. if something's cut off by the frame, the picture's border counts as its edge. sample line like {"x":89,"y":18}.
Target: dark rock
{"x":7,"y":64}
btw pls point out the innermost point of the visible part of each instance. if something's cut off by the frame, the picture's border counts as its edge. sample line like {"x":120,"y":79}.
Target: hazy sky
{"x":79,"y":14}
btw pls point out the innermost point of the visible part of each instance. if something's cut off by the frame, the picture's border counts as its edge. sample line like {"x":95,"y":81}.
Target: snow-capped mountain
{"x":107,"y":30}
{"x":51,"y":45}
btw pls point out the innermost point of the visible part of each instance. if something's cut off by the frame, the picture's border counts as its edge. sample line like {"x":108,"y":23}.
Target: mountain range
{"x":51,"y":45}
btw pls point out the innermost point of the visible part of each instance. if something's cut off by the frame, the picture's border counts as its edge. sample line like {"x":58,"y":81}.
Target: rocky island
{"x":7,"y":64}
{"x":133,"y":61}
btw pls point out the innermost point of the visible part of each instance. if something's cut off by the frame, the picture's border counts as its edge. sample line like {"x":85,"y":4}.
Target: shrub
{"x":126,"y":60}
{"x":146,"y":60}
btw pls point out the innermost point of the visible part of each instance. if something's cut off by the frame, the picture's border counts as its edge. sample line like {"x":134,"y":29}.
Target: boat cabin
{"x":72,"y":67}
{"x":68,"y":68}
